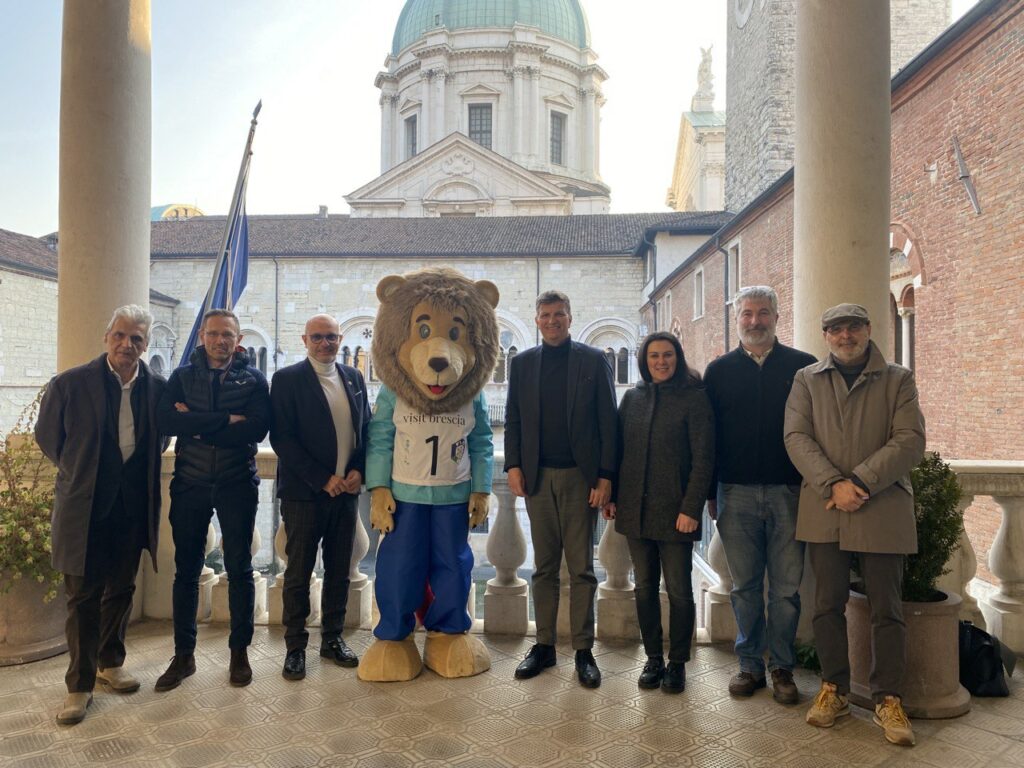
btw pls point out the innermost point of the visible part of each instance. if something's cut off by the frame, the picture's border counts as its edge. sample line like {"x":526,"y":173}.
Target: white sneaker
{"x":74,"y":708}
{"x":117,"y":680}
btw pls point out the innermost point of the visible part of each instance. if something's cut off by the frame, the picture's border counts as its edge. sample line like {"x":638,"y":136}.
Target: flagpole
{"x":236,"y":201}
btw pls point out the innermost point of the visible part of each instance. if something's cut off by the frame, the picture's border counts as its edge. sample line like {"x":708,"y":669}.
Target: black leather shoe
{"x":586,"y":669}
{"x":653,"y":671}
{"x":294,"y":665}
{"x":341,"y":653}
{"x":239,"y":673}
{"x":674,"y":680}
{"x":182,"y":666}
{"x":539,"y":658}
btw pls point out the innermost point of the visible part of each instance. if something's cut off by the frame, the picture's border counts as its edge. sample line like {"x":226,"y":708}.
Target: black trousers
{"x":100,"y":601}
{"x":650,"y":559}
{"x":329,"y":523}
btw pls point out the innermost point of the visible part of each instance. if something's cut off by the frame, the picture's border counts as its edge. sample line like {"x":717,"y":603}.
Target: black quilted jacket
{"x":210,"y":450}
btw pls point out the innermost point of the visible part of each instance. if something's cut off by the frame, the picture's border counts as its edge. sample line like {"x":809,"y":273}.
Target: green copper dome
{"x":563,"y":19}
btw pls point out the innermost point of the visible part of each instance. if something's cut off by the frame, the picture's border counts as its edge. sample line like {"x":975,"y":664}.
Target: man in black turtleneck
{"x":560,"y":454}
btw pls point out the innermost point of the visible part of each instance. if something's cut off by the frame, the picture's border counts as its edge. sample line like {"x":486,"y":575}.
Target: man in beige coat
{"x":854,"y":430}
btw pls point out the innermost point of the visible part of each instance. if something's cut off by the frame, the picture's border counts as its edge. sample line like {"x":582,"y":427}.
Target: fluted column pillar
{"x":105,"y":138}
{"x":387,"y":132}
{"x":841,"y":197}
{"x":506,"y":601}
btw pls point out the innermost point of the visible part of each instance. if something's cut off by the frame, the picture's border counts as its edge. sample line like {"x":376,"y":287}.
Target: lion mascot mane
{"x":429,"y":466}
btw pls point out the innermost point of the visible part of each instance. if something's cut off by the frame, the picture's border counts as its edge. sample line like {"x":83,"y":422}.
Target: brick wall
{"x":968,"y":361}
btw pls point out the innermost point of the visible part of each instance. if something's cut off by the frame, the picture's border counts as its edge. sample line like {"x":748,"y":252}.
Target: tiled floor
{"x":333,"y":719}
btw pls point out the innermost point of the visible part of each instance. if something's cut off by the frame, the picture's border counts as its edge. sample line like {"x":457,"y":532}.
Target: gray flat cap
{"x":843,"y":313}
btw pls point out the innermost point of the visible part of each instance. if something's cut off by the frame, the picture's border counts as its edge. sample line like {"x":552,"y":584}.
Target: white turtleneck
{"x":341,"y":411}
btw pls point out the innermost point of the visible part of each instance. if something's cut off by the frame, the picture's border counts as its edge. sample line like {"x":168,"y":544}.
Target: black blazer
{"x":591,"y":413}
{"x":72,"y":419}
{"x":303,"y":431}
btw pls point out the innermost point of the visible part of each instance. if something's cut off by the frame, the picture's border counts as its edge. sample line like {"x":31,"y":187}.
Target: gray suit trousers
{"x":562,"y":521}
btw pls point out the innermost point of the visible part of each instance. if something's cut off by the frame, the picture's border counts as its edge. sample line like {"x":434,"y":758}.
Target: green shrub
{"x":939,"y":522}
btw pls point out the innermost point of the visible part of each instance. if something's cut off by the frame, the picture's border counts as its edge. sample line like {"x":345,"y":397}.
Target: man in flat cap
{"x":854,"y":430}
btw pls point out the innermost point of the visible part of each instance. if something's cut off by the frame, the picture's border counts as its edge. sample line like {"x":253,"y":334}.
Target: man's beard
{"x":755,"y":336}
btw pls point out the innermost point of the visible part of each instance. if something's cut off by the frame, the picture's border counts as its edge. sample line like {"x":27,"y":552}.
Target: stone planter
{"x":29,"y":628}
{"x":931,"y":683}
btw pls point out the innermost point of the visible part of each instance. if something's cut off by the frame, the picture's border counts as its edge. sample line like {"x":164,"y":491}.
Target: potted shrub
{"x":31,"y":619}
{"x":931,"y":684}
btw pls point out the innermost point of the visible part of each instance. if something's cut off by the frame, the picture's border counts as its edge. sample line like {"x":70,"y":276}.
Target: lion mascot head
{"x":435,"y":340}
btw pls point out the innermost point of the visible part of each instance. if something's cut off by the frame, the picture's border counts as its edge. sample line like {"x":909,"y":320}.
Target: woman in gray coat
{"x":667,"y":439}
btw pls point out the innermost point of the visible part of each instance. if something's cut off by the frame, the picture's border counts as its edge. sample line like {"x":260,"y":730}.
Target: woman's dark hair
{"x":685,"y":376}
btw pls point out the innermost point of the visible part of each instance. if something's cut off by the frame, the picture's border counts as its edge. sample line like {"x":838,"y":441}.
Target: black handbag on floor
{"x":982,"y":658}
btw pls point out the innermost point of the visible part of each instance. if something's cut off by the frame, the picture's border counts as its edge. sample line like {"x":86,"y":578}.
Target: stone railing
{"x":506,"y":599}
{"x":999,"y":608}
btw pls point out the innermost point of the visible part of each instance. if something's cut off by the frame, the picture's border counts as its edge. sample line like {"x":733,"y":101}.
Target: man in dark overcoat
{"x":97,"y":423}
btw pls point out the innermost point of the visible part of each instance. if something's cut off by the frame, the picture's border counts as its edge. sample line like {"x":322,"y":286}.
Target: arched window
{"x":499,"y":368}
{"x":360,"y":361}
{"x":346,"y":356}
{"x":609,"y":354}
{"x":157,"y":364}
{"x":622,"y":370}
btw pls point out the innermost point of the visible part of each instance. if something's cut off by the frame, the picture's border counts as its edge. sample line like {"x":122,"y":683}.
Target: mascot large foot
{"x":455,"y":655}
{"x":390,"y":661}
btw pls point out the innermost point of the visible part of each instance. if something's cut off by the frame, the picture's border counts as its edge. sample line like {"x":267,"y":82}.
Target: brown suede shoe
{"x":744,"y":684}
{"x":240,"y":673}
{"x":182,"y":665}
{"x":784,"y":690}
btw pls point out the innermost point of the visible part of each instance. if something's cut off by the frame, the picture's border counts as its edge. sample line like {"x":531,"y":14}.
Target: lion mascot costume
{"x":428,"y":468}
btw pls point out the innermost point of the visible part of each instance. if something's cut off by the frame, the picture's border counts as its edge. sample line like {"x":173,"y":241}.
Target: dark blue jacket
{"x":211,"y":451}
{"x":303,"y":433}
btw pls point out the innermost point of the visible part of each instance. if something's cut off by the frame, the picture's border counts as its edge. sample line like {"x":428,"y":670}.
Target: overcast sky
{"x":313,"y":63}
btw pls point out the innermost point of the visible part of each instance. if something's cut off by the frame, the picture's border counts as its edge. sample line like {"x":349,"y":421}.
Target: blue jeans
{"x":191,"y":512}
{"x":757,"y":524}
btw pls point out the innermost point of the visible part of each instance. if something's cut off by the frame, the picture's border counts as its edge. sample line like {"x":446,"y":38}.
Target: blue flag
{"x":224,"y":292}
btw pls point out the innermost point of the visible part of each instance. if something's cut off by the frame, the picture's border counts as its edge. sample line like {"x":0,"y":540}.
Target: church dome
{"x":563,"y":19}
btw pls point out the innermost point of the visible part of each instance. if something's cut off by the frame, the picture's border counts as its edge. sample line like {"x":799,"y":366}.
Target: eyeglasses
{"x":319,"y":338}
{"x":854,"y":326}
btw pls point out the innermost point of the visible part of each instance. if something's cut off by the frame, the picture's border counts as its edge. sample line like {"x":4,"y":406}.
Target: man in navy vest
{"x":97,"y":423}
{"x":321,"y":416}
{"x":218,"y":408}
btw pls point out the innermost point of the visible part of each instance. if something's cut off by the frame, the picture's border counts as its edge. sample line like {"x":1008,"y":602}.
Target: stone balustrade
{"x":506,"y":600}
{"x":1001,"y":610}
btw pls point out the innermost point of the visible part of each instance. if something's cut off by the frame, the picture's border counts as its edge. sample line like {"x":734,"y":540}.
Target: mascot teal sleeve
{"x":481,"y":447}
{"x":381,"y":448}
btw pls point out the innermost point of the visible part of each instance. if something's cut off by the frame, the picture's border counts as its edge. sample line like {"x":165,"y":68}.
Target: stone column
{"x":439,"y":103}
{"x":506,"y":602}
{"x":423,"y":122}
{"x":616,"y":601}
{"x":518,"y":119}
{"x":387,"y":131}
{"x":105,"y":137}
{"x":585,"y":153}
{"x":906,"y":326}
{"x":841,"y":199}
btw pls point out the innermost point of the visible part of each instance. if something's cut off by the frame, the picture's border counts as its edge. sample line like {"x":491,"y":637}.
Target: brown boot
{"x":240,"y":671}
{"x":784,"y":690}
